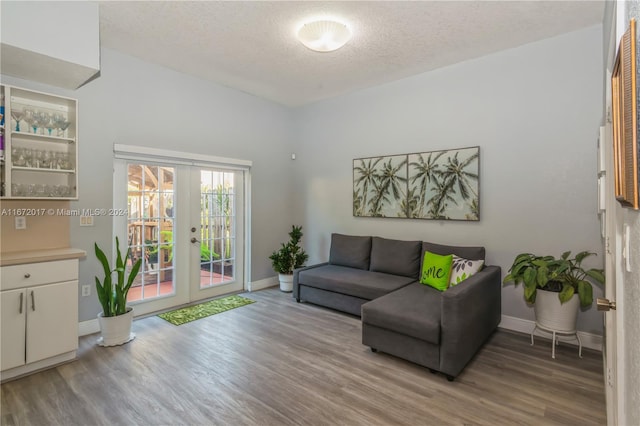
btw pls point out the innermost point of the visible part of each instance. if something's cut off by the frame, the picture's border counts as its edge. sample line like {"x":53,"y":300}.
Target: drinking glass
{"x":29,"y":117}
{"x":50,"y":123}
{"x":29,"y":159}
{"x":17,"y":189}
{"x":17,"y":156}
{"x":63,"y":124}
{"x":43,"y":120}
{"x":17,"y":115}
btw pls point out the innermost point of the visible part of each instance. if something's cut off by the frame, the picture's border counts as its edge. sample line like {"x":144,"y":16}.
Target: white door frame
{"x":176,"y":158}
{"x":239,"y":283}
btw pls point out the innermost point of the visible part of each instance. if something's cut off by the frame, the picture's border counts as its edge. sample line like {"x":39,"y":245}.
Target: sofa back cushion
{"x":350,"y":250}
{"x":475,"y":253}
{"x":396,"y":257}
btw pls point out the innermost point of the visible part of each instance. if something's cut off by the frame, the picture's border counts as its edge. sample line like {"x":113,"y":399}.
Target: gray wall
{"x":137,"y":103}
{"x":534,"y":111}
{"x":631,"y":280}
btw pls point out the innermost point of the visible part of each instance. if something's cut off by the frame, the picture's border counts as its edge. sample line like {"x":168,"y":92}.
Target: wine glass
{"x":43,"y":120}
{"x":17,"y":115}
{"x":63,"y":124}
{"x":50,"y":123}
{"x":30,"y":118}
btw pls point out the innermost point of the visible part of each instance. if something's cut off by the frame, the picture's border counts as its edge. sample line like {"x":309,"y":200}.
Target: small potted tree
{"x":289,"y":257}
{"x":116,"y":317}
{"x":556,"y":287}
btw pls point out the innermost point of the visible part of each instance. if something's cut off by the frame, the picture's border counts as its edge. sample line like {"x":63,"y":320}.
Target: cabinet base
{"x":23,"y":370}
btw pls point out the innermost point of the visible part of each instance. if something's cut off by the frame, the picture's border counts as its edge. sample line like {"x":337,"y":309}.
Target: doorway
{"x":186,"y":224}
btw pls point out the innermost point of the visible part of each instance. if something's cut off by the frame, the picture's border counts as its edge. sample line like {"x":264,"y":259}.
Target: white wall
{"x":137,"y":103}
{"x":534,"y":111}
{"x":65,"y":30}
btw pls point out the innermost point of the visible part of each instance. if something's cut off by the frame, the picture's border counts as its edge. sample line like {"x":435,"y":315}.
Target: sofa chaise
{"x":378,"y":279}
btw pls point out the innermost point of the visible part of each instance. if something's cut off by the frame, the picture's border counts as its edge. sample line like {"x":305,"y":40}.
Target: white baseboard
{"x":589,"y":340}
{"x":264,"y":283}
{"x":88,"y":327}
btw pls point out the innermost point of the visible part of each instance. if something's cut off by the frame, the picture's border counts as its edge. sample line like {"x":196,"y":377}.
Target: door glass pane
{"x":217,"y":216}
{"x":150,"y":201}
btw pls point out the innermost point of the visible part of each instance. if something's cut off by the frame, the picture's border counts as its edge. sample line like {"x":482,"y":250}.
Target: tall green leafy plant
{"x":565,"y":275}
{"x":113,"y":295}
{"x":291,"y":255}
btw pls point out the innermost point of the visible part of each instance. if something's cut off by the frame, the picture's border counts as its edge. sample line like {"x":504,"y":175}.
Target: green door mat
{"x":196,"y":312}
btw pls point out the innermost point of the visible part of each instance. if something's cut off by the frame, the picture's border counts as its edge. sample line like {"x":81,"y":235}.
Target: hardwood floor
{"x":277,"y":362}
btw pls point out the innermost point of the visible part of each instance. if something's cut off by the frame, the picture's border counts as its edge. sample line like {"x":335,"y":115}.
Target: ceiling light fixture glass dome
{"x":324,"y":35}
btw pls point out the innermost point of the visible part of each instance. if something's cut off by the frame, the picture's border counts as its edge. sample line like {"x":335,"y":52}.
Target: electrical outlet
{"x":21,"y":222}
{"x":86,"y":290}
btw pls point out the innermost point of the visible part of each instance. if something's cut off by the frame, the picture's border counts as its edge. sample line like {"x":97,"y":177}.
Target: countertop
{"x":33,"y":256}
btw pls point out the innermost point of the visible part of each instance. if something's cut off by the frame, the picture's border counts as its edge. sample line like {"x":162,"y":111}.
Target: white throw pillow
{"x":461,"y":269}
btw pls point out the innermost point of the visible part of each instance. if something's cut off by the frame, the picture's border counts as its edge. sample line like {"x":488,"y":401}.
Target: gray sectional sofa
{"x":378,"y":279}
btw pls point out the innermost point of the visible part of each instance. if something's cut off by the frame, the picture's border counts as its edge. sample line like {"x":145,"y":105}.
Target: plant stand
{"x":556,"y":318}
{"x":554,"y":338}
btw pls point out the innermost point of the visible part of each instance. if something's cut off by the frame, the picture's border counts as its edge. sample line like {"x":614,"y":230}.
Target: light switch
{"x":626,"y":253}
{"x":21,"y":222}
{"x":86,"y":220}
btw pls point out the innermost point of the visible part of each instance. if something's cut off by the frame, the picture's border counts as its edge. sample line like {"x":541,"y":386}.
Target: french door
{"x":186,"y":225}
{"x":216,"y":232}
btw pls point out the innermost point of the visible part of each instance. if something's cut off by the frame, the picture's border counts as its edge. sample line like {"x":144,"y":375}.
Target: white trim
{"x":88,"y":327}
{"x":262,"y":284}
{"x":142,"y":153}
{"x":589,"y":340}
{"x":247,"y":229}
{"x":23,"y":370}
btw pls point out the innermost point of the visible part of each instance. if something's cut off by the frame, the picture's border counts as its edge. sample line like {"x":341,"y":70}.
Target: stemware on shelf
{"x":43,"y":120}
{"x":63,"y":124}
{"x":17,"y":115}
{"x":30,"y":118}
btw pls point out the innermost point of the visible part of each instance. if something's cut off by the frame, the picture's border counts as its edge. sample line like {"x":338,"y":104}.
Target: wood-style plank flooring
{"x":277,"y":362}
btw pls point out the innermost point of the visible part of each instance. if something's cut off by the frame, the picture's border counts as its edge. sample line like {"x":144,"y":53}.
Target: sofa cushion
{"x":353,"y":282}
{"x":436,"y":270}
{"x":395,"y":257}
{"x":350,"y":250}
{"x":413,"y":310}
{"x":461,"y":269}
{"x":465,"y":252}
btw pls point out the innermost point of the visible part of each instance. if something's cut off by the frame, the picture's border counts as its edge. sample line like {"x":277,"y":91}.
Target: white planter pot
{"x":286,"y":282}
{"x":556,"y":316}
{"x":116,"y":330}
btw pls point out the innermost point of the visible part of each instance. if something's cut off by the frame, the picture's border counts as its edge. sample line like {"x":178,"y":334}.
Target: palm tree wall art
{"x":442,"y":185}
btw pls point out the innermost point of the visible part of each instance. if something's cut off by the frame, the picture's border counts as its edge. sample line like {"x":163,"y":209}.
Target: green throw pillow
{"x":436,"y":270}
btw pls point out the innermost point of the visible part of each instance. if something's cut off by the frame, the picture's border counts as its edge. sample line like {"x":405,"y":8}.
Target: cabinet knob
{"x":27,"y":275}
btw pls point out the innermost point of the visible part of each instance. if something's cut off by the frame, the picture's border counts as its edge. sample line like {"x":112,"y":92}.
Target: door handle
{"x":605,"y":304}
{"x":21,"y":298}
{"x":33,"y":301}
{"x":194,"y":240}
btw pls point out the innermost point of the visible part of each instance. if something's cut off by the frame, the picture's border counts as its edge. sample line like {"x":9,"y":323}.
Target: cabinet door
{"x":52,"y":320}
{"x":12,"y":328}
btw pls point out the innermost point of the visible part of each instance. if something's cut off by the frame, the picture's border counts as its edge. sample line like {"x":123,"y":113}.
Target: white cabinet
{"x":39,"y":316}
{"x":41,"y":145}
{"x":12,"y":329}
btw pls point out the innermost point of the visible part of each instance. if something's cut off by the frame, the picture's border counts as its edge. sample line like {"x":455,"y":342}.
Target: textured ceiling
{"x":251,"y":46}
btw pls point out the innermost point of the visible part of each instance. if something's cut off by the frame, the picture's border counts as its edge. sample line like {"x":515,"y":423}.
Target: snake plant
{"x":113,"y":295}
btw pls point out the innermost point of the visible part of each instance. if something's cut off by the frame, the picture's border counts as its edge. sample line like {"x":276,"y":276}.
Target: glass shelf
{"x":25,"y":147}
{"x":40,"y":169}
{"x":41,"y":138}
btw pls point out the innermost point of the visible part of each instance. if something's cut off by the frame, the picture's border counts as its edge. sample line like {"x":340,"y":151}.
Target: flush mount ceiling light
{"x":324,"y":35}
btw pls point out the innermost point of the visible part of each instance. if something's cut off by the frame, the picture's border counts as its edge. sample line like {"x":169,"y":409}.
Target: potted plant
{"x":116,"y":317}
{"x":289,"y":257}
{"x":556,"y":287}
